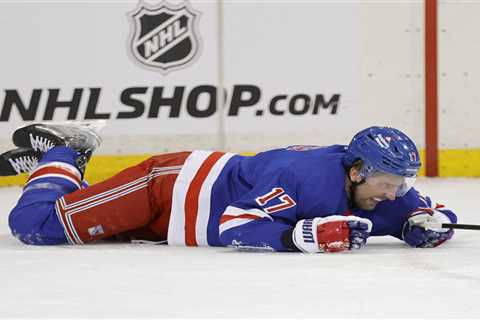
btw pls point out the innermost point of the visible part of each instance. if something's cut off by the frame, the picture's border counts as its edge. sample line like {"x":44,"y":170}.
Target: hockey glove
{"x":418,"y":234}
{"x":331,"y":234}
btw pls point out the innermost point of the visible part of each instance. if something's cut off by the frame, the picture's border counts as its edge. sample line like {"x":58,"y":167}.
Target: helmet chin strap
{"x":352,"y":204}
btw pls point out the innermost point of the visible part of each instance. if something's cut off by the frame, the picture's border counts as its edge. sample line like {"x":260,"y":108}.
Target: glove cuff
{"x":304,"y":236}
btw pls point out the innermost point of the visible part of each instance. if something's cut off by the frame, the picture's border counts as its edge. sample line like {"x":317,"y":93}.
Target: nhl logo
{"x":165,"y":37}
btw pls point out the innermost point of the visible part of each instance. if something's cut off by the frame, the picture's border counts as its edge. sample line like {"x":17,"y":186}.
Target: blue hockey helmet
{"x":384,"y":150}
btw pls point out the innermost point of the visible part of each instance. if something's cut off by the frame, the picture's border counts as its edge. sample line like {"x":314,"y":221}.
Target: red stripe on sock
{"x":53,"y":170}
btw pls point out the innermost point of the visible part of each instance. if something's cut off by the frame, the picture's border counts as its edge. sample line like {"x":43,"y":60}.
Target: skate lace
{"x":41,"y":143}
{"x":23,"y":164}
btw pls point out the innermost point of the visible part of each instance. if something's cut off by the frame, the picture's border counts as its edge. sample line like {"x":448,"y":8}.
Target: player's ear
{"x":354,"y":173}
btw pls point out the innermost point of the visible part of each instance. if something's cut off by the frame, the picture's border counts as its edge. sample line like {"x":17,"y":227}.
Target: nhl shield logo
{"x":165,"y":37}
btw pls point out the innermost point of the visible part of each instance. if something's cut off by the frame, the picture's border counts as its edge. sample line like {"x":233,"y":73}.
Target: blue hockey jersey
{"x":231,"y":200}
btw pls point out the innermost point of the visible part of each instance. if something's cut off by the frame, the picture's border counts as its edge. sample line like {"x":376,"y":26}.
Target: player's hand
{"x":331,"y":234}
{"x":416,"y":232}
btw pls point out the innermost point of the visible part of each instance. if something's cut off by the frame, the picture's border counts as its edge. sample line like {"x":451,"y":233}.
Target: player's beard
{"x":357,"y":202}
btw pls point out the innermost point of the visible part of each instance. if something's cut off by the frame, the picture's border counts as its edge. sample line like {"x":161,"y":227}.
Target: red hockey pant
{"x":134,"y":204}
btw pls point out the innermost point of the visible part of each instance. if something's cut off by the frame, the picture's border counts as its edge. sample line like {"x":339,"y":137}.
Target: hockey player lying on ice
{"x":299,"y":198}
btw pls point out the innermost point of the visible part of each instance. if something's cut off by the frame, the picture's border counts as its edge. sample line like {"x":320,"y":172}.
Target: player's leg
{"x":33,"y":220}
{"x":125,"y":204}
{"x":165,"y":169}
{"x":60,"y":171}
{"x":131,"y":201}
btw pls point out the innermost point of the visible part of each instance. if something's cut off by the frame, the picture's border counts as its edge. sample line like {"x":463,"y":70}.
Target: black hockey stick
{"x":461,"y":226}
{"x":436,"y":225}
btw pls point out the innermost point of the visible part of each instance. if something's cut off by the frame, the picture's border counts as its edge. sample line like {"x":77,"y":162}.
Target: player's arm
{"x":266,"y":218}
{"x":253,"y":228}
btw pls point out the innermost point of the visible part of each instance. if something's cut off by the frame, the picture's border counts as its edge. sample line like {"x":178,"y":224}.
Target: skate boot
{"x":17,"y":161}
{"x":40,"y":137}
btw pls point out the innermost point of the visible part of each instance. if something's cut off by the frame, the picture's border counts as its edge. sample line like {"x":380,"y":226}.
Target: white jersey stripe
{"x":204,"y":200}
{"x":176,"y":225}
{"x":234,"y":211}
{"x":234,"y":223}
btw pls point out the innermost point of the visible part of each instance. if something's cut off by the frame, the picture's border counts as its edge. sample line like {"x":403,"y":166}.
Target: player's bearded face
{"x":377,"y":188}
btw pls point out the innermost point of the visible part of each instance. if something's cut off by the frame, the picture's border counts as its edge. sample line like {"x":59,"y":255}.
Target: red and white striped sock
{"x":60,"y":170}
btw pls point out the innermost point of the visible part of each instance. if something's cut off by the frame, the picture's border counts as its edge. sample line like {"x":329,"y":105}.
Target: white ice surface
{"x":385,"y":279}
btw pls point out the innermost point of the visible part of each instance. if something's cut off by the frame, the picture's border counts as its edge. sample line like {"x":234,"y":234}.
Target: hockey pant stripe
{"x":65,"y":211}
{"x":153,"y":173}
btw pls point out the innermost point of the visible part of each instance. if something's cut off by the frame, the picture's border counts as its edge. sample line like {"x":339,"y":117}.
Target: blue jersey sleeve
{"x":262,"y":217}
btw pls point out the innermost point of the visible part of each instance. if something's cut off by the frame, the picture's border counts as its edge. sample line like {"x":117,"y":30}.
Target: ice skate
{"x":17,"y":161}
{"x":40,"y":137}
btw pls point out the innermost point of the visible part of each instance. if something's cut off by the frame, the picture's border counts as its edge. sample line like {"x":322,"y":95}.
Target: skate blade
{"x":95,"y":125}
